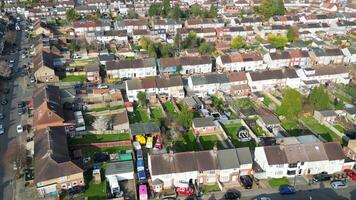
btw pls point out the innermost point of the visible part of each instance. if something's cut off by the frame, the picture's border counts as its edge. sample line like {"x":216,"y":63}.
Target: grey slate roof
{"x":209,"y":79}
{"x":203,"y":122}
{"x":227,"y":159}
{"x":120,"y":167}
{"x":162,"y":164}
{"x":144,"y":128}
{"x":244,"y":155}
{"x":273,"y":74}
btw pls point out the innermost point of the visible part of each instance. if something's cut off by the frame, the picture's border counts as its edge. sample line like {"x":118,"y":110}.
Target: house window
{"x":291,"y":172}
{"x":49,"y":113}
{"x":64,"y":186}
{"x":74,"y":183}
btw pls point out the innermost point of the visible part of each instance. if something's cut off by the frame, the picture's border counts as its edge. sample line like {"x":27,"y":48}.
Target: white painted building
{"x":240,"y":62}
{"x":131,"y":68}
{"x":195,"y":65}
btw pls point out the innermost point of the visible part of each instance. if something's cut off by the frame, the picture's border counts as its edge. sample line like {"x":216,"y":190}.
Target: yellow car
{"x":141,"y":139}
{"x":149,"y":143}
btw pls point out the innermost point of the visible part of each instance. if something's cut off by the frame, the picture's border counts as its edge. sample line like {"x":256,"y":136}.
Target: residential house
{"x":208,"y":84}
{"x":103,"y":59}
{"x":170,"y":25}
{"x":120,"y":122}
{"x":240,"y":62}
{"x":204,"y":126}
{"x":267,"y":118}
{"x":93,"y":73}
{"x":204,"y":23}
{"x":195,"y":65}
{"x":324,"y":74}
{"x":168,"y":65}
{"x":319,"y":18}
{"x":193,"y":103}
{"x":131,"y":68}
{"x":277,"y":60}
{"x":83,"y":28}
{"x":350,"y":55}
{"x":326,"y":56}
{"x":300,"y":159}
{"x":167,"y":87}
{"x":247,"y":21}
{"x":48,"y":108}
{"x":238,"y":84}
{"x":326,"y":116}
{"x":314,"y":27}
{"x":299,"y":58}
{"x":269,"y":79}
{"x":120,"y":36}
{"x":54,"y":170}
{"x":202,"y":167}
{"x":43,"y":69}
{"x":284,"y":20}
{"x":146,"y":129}
{"x":131,"y":24}
{"x":209,"y":34}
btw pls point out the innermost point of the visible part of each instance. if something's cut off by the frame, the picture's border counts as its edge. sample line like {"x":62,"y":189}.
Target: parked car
{"x":287,"y":189}
{"x":149,"y":142}
{"x":21,"y":104}
{"x":321,"y":177}
{"x":262,"y":198}
{"x":246,"y":181}
{"x":136,"y":145}
{"x":1,"y":129}
{"x":232,"y":195}
{"x":19,"y":128}
{"x":102,"y":86}
{"x":338,"y":184}
{"x":2,"y":115}
{"x":20,"y":111}
{"x":3,"y":101}
{"x":350,"y":173}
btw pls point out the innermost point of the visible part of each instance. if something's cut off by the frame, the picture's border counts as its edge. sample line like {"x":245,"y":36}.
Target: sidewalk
{"x":22,"y":192}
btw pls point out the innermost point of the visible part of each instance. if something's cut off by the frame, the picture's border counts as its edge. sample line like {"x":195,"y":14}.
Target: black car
{"x":321,"y":177}
{"x":21,"y":104}
{"x":20,"y":111}
{"x":246,"y":181}
{"x":232,"y":195}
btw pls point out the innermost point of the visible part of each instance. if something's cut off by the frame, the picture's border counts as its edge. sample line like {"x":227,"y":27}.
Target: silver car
{"x":338,"y":184}
{"x":1,"y":129}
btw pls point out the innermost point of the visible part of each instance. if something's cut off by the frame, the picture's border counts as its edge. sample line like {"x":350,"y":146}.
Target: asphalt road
{"x":18,"y":92}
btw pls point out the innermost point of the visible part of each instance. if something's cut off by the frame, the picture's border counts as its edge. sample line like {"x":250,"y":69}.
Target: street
{"x":18,"y":92}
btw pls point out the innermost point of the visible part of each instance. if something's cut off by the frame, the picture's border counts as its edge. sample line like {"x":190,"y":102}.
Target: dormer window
{"x":49,"y":113}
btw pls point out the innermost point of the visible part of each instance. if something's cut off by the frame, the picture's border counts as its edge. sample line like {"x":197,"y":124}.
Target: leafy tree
{"x":144,"y":42}
{"x":237,"y":42}
{"x":141,"y":96}
{"x":278,"y":41}
{"x":206,"y":48}
{"x":73,"y":46}
{"x":292,"y":103}
{"x":185,"y":117}
{"x":176,"y":12}
{"x":151,"y":50}
{"x":155,"y":10}
{"x":196,"y":10}
{"x":217,"y":102}
{"x":269,"y":8}
{"x":319,"y":98}
{"x":131,"y":14}
{"x":292,"y":34}
{"x":72,"y":15}
{"x":211,"y":13}
{"x":166,"y":7}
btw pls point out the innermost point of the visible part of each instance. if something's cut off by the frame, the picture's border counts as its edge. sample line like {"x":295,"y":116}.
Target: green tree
{"x":278,"y":41}
{"x":211,"y":13}
{"x":185,"y":117}
{"x":206,"y":48}
{"x":195,"y":10}
{"x":155,"y":10}
{"x":319,"y":98}
{"x":72,"y":15}
{"x":144,"y":42}
{"x":292,"y":34}
{"x":141,"y":97}
{"x":217,"y":103}
{"x":151,"y":50}
{"x":269,"y":8}
{"x":292,"y":103}
{"x":237,"y":42}
{"x":131,"y":14}
{"x":175,"y":12}
{"x":166,"y":7}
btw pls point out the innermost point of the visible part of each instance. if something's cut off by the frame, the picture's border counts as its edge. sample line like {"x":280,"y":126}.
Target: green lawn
{"x":107,"y":108}
{"x":156,"y":113}
{"x":340,"y":128}
{"x":139,"y":115}
{"x":231,"y":131}
{"x":73,"y":78}
{"x":209,"y":141}
{"x":257,"y":130}
{"x":276,"y":182}
{"x":187,"y":142}
{"x":90,"y":151}
{"x":86,"y":139}
{"x":169,"y":107}
{"x":244,"y":103}
{"x":322,"y":130}
{"x":292,"y":127}
{"x":96,"y":191}
{"x":267,"y":101}
{"x":210,"y":188}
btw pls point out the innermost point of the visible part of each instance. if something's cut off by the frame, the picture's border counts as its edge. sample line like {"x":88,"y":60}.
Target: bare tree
{"x":16,"y":155}
{"x":5,"y":70}
{"x":101,"y":123}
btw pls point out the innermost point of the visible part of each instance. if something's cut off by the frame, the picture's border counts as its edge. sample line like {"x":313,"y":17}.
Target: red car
{"x":350,"y":173}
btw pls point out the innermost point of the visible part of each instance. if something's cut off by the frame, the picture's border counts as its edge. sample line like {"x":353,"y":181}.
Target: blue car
{"x":287,"y":189}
